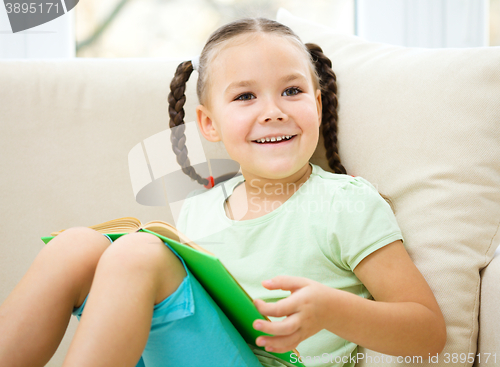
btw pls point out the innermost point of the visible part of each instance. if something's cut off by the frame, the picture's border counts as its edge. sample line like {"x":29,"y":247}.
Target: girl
{"x":329,"y":239}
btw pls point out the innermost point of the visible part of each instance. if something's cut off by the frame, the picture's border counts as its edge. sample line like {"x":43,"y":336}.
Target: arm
{"x":403,"y":319}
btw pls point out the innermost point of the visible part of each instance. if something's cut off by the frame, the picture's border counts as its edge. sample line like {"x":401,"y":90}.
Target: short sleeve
{"x":361,"y":223}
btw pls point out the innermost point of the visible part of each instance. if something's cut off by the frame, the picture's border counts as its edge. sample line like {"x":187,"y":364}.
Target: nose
{"x":273,"y":112}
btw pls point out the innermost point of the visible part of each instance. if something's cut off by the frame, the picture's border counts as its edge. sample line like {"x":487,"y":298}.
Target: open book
{"x":118,"y":227}
{"x":232,"y":299}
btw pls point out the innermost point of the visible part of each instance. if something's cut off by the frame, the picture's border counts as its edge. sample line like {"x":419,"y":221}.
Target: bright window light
{"x":179,"y":28}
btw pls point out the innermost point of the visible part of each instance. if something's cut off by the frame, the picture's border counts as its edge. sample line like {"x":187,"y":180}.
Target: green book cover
{"x":225,"y":291}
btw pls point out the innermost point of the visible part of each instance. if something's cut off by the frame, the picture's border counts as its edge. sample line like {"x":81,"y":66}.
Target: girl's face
{"x":262,"y":88}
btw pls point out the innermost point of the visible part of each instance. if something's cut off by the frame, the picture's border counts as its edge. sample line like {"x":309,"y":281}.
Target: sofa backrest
{"x":66,"y":129}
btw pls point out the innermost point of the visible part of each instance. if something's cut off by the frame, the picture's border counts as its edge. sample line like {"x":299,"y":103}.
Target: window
{"x":179,"y":28}
{"x":426,"y":23}
{"x":494,"y":22}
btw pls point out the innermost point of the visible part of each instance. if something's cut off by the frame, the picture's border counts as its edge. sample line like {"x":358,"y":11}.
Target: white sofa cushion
{"x":423,"y":126}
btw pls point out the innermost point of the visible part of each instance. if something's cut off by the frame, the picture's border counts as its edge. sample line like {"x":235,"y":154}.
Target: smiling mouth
{"x":274,"y":140}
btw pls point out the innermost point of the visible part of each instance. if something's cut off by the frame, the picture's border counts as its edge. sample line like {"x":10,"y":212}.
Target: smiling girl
{"x":320,"y":252}
{"x":266,"y":96}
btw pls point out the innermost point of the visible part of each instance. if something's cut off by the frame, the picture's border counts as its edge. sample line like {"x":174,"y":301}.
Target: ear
{"x":206,"y":124}
{"x":319,"y":105}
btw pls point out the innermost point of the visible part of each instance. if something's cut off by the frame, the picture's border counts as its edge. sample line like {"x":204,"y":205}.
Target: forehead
{"x":259,"y":53}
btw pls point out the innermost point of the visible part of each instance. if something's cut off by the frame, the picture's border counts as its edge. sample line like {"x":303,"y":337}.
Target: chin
{"x":278,"y":172}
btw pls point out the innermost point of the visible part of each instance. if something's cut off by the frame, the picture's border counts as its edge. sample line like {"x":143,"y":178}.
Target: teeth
{"x":277,"y":138}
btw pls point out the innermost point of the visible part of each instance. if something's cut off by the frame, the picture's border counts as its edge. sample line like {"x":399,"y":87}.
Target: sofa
{"x":422,"y":125}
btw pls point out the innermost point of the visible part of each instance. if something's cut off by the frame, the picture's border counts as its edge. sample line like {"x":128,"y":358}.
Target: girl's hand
{"x":304,"y":308}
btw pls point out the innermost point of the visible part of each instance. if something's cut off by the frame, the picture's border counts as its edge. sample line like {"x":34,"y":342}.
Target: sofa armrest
{"x":489,"y":314}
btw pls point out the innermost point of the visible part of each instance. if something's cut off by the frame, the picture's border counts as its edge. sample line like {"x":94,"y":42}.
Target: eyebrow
{"x":248,"y":83}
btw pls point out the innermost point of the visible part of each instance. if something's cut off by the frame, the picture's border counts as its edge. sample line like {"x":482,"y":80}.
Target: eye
{"x":292,"y":91}
{"x":245,"y":97}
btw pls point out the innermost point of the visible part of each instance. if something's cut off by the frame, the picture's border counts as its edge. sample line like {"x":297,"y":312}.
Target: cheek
{"x":309,"y":116}
{"x":237,"y":123}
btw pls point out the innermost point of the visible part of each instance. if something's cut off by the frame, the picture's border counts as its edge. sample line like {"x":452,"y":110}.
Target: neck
{"x":263,"y":188}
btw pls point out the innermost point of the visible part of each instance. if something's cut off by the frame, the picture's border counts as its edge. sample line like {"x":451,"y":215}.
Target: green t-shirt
{"x":322,"y":232}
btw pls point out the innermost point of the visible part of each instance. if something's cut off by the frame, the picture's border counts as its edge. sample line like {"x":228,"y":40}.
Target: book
{"x":224,"y":289}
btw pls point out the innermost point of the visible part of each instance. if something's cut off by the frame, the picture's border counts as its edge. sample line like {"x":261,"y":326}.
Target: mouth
{"x":274,"y":140}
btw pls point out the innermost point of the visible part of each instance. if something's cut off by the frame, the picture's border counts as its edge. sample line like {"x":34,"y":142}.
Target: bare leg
{"x":34,"y":318}
{"x":136,"y":272}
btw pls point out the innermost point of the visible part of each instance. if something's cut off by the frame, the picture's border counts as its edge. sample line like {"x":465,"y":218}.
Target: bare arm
{"x":403,"y":319}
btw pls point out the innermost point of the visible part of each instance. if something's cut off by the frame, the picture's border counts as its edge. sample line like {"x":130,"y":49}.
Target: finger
{"x":279,"y":344}
{"x":286,"y":282}
{"x":284,"y":327}
{"x":283,"y":307}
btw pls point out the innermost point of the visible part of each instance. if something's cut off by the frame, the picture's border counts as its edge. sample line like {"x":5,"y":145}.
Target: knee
{"x":79,"y":236}
{"x":142,"y":258}
{"x":72,"y":257}
{"x":81,"y":244}
{"x":143,"y":253}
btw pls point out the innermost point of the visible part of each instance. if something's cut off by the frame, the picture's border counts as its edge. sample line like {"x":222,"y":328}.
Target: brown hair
{"x":321,"y":69}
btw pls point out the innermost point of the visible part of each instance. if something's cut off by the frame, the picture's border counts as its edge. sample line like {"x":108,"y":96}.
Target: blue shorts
{"x":189,"y":329}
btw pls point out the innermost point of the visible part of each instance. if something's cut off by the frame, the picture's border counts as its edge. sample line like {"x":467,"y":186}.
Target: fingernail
{"x":262,"y":342}
{"x":258,"y":326}
{"x":269,"y":349}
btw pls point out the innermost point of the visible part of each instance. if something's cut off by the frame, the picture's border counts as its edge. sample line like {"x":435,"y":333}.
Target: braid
{"x":176,"y":101}
{"x":328,"y":86}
